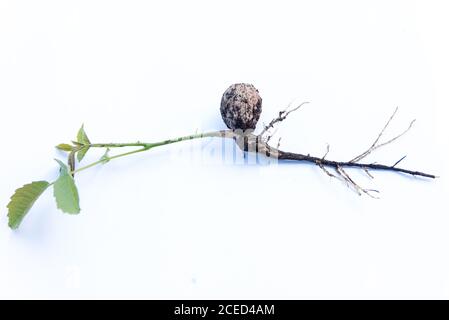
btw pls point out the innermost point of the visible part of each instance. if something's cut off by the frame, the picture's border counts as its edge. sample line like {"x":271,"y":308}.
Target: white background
{"x":177,"y":222}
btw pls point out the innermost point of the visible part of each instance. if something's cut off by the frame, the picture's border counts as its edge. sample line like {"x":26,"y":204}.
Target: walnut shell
{"x":241,"y":106}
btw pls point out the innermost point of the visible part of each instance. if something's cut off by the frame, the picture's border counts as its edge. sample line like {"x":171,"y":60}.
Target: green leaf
{"x":82,"y":152}
{"x":84,"y":142}
{"x":22,"y":201}
{"x":64,"y":147}
{"x":65,"y":191}
{"x":82,"y":136}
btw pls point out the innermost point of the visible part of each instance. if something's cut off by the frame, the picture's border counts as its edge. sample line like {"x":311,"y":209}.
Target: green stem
{"x":147,"y":146}
{"x":109,"y":158}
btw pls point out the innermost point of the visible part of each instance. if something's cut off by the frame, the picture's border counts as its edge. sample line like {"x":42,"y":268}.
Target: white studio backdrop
{"x":178,"y":221}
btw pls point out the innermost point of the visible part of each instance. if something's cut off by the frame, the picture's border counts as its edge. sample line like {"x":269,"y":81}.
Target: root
{"x":259,"y":144}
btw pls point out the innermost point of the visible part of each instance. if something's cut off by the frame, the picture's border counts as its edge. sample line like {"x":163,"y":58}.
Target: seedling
{"x":241,"y":107}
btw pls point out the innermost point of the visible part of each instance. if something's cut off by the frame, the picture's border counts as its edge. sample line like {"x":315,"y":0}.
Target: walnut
{"x":241,"y":106}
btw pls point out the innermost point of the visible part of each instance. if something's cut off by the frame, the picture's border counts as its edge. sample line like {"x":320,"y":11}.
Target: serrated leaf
{"x":65,"y":191}
{"x":22,"y":200}
{"x":64,"y":147}
{"x":82,"y":152}
{"x":82,"y":136}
